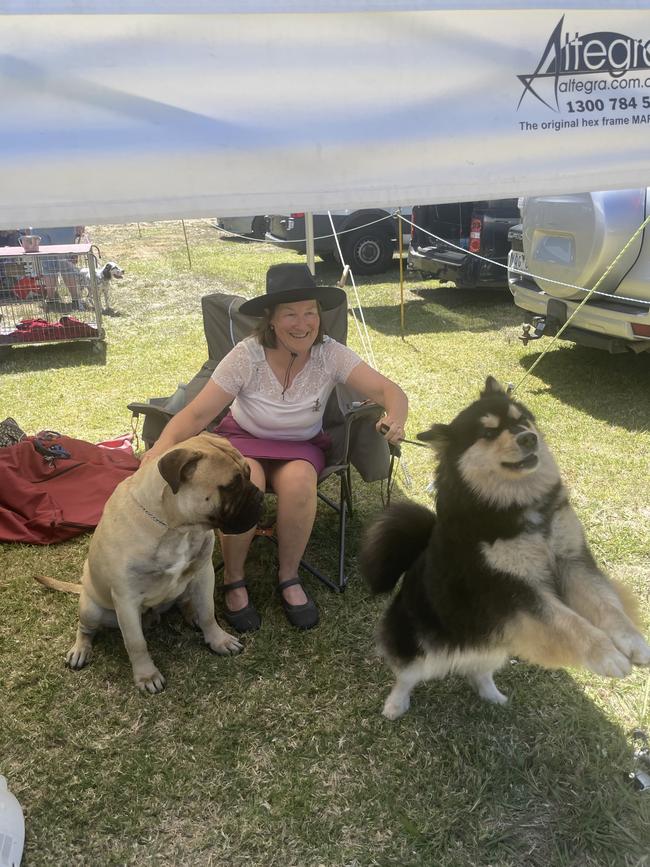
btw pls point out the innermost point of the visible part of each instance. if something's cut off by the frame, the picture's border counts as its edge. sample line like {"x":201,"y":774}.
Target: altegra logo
{"x":568,"y":56}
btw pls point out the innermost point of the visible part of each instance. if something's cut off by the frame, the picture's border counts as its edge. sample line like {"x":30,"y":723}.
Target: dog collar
{"x":151,"y":515}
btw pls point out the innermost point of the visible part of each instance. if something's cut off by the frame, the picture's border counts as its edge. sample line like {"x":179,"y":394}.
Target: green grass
{"x":280,"y":756}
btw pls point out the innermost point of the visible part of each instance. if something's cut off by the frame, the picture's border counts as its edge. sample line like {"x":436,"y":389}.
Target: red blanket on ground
{"x":38,"y":330}
{"x":45,"y":501}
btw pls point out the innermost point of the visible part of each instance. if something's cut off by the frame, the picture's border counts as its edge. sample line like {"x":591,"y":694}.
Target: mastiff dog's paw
{"x":79,"y":656}
{"x":149,"y":682}
{"x":225,"y":645}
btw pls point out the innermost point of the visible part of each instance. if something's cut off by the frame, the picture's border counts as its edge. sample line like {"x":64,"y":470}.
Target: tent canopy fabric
{"x":117,"y":111}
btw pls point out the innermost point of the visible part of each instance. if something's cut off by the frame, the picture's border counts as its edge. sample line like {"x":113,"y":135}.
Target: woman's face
{"x":296,"y":325}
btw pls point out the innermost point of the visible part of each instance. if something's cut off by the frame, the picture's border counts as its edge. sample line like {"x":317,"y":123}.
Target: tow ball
{"x":538,"y":325}
{"x":640,"y":776}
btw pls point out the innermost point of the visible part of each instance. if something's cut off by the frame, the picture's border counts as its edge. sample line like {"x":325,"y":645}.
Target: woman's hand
{"x":390,"y":428}
{"x":191,"y":420}
{"x":386,"y":393}
{"x":150,"y":455}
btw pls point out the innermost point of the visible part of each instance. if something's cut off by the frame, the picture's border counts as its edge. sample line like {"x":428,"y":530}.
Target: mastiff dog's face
{"x":211,"y":484}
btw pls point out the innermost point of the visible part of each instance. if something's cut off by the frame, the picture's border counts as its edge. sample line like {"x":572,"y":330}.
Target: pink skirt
{"x":250,"y":446}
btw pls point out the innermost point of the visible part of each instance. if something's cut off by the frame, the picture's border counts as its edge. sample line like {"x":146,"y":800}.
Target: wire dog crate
{"x":49,"y":296}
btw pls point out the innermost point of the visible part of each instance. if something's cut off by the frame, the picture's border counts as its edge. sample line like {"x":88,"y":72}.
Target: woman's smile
{"x":296,"y":324}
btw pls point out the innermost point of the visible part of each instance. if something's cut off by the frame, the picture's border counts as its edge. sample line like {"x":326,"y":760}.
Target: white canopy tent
{"x":120,"y":110}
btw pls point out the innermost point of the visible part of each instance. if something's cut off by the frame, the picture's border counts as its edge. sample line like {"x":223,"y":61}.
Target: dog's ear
{"x":178,"y":466}
{"x":492,"y":387}
{"x":438,"y":435}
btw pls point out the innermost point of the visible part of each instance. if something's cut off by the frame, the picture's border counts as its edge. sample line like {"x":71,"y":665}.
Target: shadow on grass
{"x":240,"y":239}
{"x":28,"y":358}
{"x":548,"y":772}
{"x":422,"y":318}
{"x":452,"y":297}
{"x":609,"y":387}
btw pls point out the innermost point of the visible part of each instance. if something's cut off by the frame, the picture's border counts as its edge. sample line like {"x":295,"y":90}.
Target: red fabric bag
{"x":44,"y":501}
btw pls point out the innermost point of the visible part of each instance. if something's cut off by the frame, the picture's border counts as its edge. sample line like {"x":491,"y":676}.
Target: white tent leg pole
{"x":309,"y":239}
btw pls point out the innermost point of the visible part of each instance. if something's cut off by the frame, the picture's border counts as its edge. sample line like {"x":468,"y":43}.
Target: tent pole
{"x":400,"y":247}
{"x":309,"y":241}
{"x":187,"y":246}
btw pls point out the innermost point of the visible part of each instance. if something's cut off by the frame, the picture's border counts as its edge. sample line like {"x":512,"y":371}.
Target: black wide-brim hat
{"x":294,"y":282}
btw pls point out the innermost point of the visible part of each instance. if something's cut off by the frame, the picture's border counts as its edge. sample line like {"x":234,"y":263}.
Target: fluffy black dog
{"x":501,"y":569}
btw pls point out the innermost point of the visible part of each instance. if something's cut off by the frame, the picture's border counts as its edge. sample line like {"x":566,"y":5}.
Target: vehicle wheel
{"x":258,"y":227}
{"x":368,"y":251}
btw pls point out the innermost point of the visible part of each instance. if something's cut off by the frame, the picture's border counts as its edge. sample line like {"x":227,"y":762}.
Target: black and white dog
{"x":103,"y":276}
{"x":501,"y":569}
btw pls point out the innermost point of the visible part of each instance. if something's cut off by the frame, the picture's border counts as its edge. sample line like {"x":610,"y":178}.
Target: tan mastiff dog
{"x":153,"y":548}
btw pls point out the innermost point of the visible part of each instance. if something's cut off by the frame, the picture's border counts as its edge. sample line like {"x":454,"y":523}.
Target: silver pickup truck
{"x":572,"y":239}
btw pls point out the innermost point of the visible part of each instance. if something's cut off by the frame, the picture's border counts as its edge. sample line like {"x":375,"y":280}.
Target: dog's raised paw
{"x":640,"y":652}
{"x":609,"y":662}
{"x":150,"y":683}
{"x":634,"y":646}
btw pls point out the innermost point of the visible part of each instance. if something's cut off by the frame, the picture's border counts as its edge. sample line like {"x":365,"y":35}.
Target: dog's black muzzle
{"x":240,"y":510}
{"x":527,"y":441}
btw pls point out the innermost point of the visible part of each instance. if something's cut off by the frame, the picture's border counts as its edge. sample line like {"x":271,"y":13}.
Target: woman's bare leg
{"x":294,"y":483}
{"x":235,"y":549}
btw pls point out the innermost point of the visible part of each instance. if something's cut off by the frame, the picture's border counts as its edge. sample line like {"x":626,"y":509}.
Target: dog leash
{"x":384,"y":428}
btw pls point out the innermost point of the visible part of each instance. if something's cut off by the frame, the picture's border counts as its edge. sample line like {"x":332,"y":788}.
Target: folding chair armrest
{"x":155,"y":420}
{"x":150,"y":409}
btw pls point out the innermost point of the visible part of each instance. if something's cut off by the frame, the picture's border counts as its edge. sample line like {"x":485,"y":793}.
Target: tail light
{"x":415,"y":222}
{"x":475,"y":234}
{"x":298,"y":215}
{"x":640,"y":330}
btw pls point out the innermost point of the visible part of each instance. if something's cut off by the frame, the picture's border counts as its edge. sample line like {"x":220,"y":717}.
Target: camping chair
{"x":348,"y":420}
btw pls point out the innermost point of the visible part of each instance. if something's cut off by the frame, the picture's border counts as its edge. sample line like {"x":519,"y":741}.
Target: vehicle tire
{"x":368,"y":251}
{"x":258,"y":227}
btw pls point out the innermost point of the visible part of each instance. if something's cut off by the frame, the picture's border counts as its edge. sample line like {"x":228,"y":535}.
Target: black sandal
{"x":246,"y":619}
{"x":303,"y":616}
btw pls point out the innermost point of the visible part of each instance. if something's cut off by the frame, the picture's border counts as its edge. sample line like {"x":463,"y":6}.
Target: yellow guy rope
{"x":401,"y":271}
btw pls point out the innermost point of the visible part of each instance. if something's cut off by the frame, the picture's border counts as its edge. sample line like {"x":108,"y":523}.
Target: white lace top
{"x":259,"y":405}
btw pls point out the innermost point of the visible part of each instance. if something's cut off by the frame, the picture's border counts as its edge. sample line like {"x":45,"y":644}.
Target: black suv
{"x":474,"y":227}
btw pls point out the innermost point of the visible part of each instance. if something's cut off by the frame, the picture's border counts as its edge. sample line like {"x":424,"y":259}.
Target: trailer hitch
{"x":539,"y":323}
{"x":640,"y":776}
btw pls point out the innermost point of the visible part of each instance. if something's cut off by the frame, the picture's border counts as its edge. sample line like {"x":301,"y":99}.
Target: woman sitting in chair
{"x":278,"y":382}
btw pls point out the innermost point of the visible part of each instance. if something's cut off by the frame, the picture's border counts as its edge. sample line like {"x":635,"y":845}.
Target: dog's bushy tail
{"x":393,"y":542}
